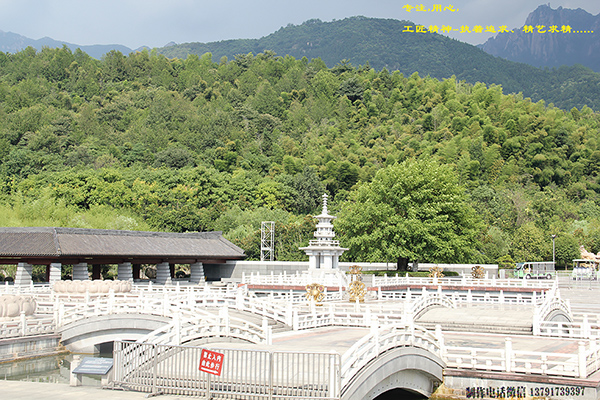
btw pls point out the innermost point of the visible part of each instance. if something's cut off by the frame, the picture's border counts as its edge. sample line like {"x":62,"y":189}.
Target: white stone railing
{"x":567,"y":329}
{"x":385,"y":281}
{"x":334,"y":278}
{"x":26,"y":326}
{"x":552,"y":304}
{"x":38,"y":288}
{"x":205,"y":324}
{"x":578,"y":365}
{"x":286,"y":297}
{"x":469,"y":296}
{"x":177,"y":288}
{"x":425,"y":302}
{"x":168,"y":303}
{"x":383,"y":339}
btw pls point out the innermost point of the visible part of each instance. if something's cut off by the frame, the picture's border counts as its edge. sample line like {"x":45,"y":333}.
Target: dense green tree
{"x":175,"y":144}
{"x":414,"y":210}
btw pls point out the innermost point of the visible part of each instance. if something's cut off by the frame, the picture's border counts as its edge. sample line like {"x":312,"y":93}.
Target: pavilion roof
{"x":99,"y":245}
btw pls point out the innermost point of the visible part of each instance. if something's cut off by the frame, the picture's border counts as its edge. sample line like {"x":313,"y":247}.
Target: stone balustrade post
{"x":177,"y":326}
{"x":586,"y":331}
{"x":537,"y":329}
{"x":408,"y":315}
{"x":295,"y":321}
{"x":111,"y":300}
{"x":440,"y":338}
{"x":289,"y":314}
{"x":582,"y":361}
{"x":508,"y":356}
{"x":55,"y":311}
{"x":61,"y":314}
{"x":23,"y":324}
{"x":374,"y":325}
{"x":367,"y":316}
{"x":333,"y":368}
{"x":75,"y":379}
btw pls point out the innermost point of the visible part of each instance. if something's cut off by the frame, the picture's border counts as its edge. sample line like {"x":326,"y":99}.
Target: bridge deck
{"x":340,"y":339}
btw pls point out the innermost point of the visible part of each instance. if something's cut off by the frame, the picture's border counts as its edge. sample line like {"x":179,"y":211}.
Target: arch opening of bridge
{"x":400,"y":394}
{"x":407,"y":369}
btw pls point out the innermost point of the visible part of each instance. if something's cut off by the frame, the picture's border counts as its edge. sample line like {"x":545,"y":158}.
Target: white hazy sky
{"x":154,"y":23}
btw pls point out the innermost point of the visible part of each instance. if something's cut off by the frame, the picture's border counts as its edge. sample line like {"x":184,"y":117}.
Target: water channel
{"x":50,"y":369}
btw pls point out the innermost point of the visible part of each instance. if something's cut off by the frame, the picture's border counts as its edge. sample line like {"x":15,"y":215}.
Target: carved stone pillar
{"x":163,"y":273}
{"x":125,"y":272}
{"x":80,"y":272}
{"x":55,"y":272}
{"x":196,"y":272}
{"x":23,"y":277}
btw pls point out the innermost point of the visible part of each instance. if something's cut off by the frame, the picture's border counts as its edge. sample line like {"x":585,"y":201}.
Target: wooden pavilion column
{"x":96,"y":272}
{"x":137,"y":270}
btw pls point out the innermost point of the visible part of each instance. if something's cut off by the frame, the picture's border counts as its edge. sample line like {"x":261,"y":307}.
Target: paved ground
{"x":14,"y":390}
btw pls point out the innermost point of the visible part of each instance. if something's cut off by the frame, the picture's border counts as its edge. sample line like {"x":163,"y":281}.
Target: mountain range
{"x":543,"y":48}
{"x":12,"y":42}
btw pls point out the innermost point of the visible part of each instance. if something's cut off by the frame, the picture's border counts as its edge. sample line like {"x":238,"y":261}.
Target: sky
{"x":154,"y":23}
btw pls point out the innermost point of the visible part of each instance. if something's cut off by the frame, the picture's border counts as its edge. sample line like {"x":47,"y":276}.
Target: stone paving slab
{"x":15,"y":390}
{"x":320,"y":340}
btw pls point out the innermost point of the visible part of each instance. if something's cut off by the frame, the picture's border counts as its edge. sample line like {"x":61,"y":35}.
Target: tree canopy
{"x":146,"y":142}
{"x":414,"y":210}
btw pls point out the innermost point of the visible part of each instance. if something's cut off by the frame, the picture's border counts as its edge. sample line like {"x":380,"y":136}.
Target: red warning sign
{"x":211,"y":362}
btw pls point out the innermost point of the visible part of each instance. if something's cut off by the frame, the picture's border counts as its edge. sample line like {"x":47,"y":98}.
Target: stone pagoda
{"x":324,"y":252}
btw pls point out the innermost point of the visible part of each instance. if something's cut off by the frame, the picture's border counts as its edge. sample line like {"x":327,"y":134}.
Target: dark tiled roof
{"x":27,"y":243}
{"x":100,"y":242}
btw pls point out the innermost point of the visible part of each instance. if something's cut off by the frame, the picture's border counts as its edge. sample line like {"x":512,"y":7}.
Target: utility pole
{"x":554,"y":252}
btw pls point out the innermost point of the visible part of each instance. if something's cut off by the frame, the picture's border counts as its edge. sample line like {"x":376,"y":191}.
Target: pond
{"x":51,"y":369}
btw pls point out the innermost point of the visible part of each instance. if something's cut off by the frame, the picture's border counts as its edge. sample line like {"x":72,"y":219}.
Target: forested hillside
{"x":144,"y":142}
{"x":385,"y":43}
